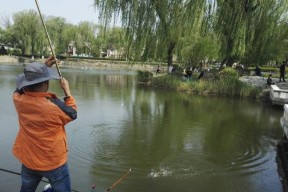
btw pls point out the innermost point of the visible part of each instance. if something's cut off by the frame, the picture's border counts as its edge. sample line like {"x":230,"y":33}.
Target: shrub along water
{"x":224,"y":83}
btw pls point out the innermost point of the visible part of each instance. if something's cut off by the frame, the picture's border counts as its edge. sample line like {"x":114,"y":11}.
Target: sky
{"x":74,"y":11}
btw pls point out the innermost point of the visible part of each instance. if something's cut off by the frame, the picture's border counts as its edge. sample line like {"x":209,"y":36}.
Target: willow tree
{"x":153,"y":27}
{"x":201,"y":44}
{"x":233,"y":27}
{"x":56,"y":27}
{"x":85,"y":37}
{"x":26,"y":29}
{"x":247,"y":27}
{"x":2,"y":34}
{"x":269,"y":38}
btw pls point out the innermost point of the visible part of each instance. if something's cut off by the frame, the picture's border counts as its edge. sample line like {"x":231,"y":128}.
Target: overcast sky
{"x":74,"y":11}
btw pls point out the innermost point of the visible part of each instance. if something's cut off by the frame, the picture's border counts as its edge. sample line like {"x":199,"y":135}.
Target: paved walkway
{"x":261,"y":81}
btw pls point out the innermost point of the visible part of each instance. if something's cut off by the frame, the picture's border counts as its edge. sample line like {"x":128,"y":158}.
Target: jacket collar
{"x":40,"y":94}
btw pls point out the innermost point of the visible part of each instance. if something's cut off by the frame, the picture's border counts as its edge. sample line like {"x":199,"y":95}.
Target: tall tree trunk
{"x":33,"y":47}
{"x":23,"y":50}
{"x":170,"y":49}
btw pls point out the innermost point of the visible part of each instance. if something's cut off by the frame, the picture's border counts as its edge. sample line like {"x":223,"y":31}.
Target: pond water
{"x":171,"y":141}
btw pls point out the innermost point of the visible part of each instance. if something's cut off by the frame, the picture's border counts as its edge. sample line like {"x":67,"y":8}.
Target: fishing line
{"x":52,"y":50}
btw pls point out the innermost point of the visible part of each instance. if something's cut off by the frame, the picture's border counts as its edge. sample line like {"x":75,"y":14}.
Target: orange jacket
{"x":41,"y":141}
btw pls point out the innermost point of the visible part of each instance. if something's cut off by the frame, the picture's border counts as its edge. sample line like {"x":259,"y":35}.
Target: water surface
{"x":172,"y":141}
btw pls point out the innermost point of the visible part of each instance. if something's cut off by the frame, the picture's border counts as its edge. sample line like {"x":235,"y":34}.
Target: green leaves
{"x":249,"y":31}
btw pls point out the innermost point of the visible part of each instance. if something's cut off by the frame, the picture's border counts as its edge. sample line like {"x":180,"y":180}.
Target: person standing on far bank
{"x":41,"y":144}
{"x":282,"y":72}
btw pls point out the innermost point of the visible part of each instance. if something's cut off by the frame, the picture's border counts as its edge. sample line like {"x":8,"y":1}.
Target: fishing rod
{"x":116,"y":182}
{"x":119,"y":180}
{"x":52,"y":50}
{"x":93,"y":186}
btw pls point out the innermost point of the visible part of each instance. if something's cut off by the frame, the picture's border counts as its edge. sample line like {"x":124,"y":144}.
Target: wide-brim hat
{"x":36,"y":73}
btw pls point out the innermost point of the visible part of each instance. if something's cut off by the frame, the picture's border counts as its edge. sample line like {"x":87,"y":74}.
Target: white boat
{"x":278,"y":96}
{"x":284,"y":121}
{"x":282,"y":150}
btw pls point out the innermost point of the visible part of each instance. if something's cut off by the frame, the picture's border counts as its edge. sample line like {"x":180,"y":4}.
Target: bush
{"x":227,"y":84}
{"x":144,"y":76}
{"x":248,"y":91}
{"x":170,"y":82}
{"x":228,"y":73}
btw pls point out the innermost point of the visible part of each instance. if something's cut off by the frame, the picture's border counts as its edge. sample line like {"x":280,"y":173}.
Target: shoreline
{"x":82,"y":63}
{"x":9,"y":59}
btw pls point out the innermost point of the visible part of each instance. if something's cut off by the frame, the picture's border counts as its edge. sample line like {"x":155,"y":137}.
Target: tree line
{"x":26,"y":35}
{"x":250,"y":32}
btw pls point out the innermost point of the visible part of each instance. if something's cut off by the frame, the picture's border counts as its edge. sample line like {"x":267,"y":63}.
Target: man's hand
{"x":65,"y":86}
{"x":51,"y":61}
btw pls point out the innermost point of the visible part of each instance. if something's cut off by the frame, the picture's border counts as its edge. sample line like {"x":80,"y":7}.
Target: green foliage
{"x":27,"y":34}
{"x":2,"y":33}
{"x":113,"y":39}
{"x":201,"y":87}
{"x":26,"y":30}
{"x":195,"y":48}
{"x":85,"y":36}
{"x":56,"y":27}
{"x":144,"y":76}
{"x":153,"y":28}
{"x":248,"y":91}
{"x":250,"y":32}
{"x":168,"y":82}
{"x":228,"y":74}
{"x":16,"y":52}
{"x":227,"y":85}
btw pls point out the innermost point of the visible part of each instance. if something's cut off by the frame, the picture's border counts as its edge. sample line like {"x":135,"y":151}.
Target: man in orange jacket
{"x":41,"y":144}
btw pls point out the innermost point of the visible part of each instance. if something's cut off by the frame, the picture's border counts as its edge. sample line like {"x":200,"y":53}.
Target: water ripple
{"x":253,"y":158}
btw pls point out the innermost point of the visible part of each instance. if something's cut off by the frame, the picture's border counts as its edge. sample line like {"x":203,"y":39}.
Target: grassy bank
{"x":224,"y":83}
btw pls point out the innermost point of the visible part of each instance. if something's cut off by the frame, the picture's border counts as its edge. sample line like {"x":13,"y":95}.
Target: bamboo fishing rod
{"x":119,"y":180}
{"x":52,"y":50}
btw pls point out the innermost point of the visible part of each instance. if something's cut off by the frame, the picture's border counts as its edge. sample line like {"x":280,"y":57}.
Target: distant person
{"x":158,"y":69}
{"x":189,"y":72}
{"x":201,"y":74}
{"x":269,"y":80}
{"x":258,"y":71}
{"x":184,"y":75}
{"x":3,"y":51}
{"x":282,"y":72}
